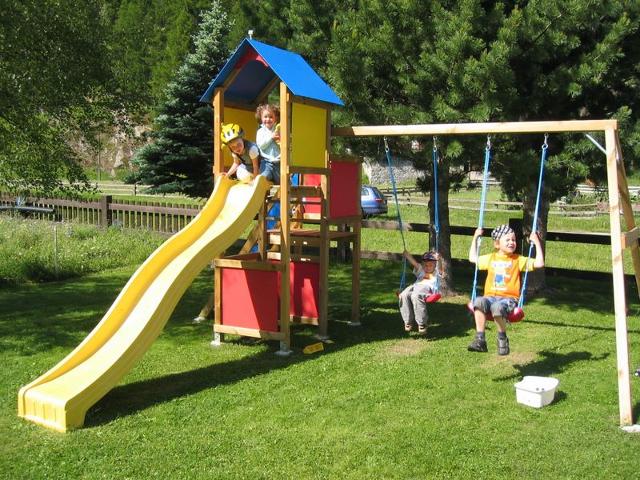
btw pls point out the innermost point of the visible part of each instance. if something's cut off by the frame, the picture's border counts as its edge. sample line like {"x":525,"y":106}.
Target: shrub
{"x":38,"y":251}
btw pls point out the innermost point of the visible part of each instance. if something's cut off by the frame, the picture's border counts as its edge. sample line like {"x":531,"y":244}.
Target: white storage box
{"x":536,"y":391}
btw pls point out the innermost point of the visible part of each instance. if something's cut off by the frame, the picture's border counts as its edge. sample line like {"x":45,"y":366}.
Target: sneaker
{"x":422,"y":329}
{"x":407,"y":327}
{"x":199,"y":319}
{"x":503,"y":346}
{"x":478,"y":345}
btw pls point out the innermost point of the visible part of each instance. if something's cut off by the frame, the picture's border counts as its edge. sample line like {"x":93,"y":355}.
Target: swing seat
{"x":433,"y":298}
{"x":516,"y":315}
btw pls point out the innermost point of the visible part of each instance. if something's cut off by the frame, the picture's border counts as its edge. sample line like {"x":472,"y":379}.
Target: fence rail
{"x":155,"y":216}
{"x":169,"y":219}
{"x":413,"y":196}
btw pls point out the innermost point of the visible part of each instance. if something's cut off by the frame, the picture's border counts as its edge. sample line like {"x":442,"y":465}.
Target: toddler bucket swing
{"x":518,"y":313}
{"x":433,"y":297}
{"x":436,"y":295}
{"x":403,"y":275}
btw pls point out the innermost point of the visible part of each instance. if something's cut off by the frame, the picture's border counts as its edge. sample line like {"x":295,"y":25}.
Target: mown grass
{"x":376,"y":403}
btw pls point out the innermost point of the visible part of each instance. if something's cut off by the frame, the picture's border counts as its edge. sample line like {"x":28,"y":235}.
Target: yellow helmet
{"x":230,"y":131}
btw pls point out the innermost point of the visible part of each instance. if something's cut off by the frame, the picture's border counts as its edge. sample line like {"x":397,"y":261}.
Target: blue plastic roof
{"x":260,"y":64}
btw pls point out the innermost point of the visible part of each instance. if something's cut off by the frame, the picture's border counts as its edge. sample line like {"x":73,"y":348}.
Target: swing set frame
{"x":619,"y":201}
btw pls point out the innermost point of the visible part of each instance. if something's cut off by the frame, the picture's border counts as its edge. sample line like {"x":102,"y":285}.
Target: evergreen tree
{"x":476,"y":61}
{"x":179,"y":159}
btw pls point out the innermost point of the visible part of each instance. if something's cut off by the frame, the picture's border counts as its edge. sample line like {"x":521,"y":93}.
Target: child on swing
{"x":412,"y":300}
{"x":502,"y":286}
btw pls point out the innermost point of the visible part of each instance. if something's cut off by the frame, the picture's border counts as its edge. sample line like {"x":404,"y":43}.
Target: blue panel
{"x":290,"y":67}
{"x":296,"y":73}
{"x":250,"y":82}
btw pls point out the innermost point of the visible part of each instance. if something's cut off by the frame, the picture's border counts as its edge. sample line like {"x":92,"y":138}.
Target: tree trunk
{"x":444,"y":238}
{"x":536,"y":280}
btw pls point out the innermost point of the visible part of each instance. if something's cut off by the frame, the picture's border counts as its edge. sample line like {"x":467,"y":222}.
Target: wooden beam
{"x":627,"y":211}
{"x":476,"y":128}
{"x":247,"y":265}
{"x":218,"y":118}
{"x":248,"y":332}
{"x":619,"y":301}
{"x":630,"y":238}
{"x":285,"y":241}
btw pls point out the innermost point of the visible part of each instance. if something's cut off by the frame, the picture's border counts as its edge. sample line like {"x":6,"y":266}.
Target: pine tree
{"x":179,"y":159}
{"x":477,"y":61}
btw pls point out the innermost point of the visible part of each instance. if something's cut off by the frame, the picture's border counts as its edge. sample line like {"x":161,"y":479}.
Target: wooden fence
{"x":156,"y":216}
{"x":413,"y":196}
{"x":169,"y":219}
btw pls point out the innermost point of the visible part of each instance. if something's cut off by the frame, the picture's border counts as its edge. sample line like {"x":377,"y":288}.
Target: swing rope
{"x":543,"y":159}
{"x":436,"y":214}
{"x":485,"y":178}
{"x":400,"y":226}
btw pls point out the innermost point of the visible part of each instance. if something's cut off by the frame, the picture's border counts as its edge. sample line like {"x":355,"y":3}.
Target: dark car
{"x":372,"y":201}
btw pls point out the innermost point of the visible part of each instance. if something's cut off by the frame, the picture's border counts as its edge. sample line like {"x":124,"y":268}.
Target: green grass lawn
{"x":376,"y":403}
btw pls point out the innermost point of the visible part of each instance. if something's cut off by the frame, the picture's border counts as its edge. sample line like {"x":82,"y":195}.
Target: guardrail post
{"x":105,"y":213}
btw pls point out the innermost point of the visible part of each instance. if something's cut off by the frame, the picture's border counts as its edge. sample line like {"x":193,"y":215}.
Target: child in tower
{"x":268,"y":140}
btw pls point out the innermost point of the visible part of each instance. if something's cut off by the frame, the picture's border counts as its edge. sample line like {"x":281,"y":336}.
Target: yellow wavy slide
{"x":60,"y":398}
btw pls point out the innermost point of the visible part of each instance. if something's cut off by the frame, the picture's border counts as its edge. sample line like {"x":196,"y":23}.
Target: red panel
{"x":344,"y":195}
{"x":305,"y":284}
{"x":250,"y":299}
{"x":249,"y":56}
{"x":312,"y":180}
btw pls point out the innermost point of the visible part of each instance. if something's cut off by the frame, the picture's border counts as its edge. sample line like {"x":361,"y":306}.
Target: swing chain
{"x":545,"y":145}
{"x":488,"y":143}
{"x":435,"y":144}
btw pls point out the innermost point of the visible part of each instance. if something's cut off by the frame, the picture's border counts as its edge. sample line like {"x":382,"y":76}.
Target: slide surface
{"x":60,"y":398}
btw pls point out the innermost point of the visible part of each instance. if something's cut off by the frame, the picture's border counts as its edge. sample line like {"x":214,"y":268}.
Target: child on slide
{"x":246,"y":155}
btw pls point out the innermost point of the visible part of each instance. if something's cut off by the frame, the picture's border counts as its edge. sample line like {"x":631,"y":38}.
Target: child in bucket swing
{"x":502,"y":286}
{"x":412,"y":300}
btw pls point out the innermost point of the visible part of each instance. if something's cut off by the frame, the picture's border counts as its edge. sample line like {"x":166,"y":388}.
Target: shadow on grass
{"x":51,"y":322}
{"x":380,"y":321}
{"x":58,"y":315}
{"x":552,"y":363}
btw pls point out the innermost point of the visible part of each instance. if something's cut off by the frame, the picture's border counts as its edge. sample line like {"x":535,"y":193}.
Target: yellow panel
{"x":308,"y":136}
{"x":247,"y":120}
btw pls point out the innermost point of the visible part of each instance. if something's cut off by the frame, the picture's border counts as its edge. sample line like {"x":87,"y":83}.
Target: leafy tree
{"x":53,"y":72}
{"x":179,"y":159}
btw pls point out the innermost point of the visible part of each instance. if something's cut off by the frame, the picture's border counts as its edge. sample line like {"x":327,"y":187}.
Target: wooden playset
{"x":280,"y":275}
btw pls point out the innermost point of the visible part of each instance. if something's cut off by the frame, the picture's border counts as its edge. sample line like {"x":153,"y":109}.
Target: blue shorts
{"x":497,"y":306}
{"x":270,"y":171}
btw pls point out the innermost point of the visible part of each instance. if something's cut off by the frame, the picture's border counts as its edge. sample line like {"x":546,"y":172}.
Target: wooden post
{"x":619,"y":300}
{"x":105,"y":213}
{"x":285,"y":240}
{"x":627,"y":211}
{"x":218,"y":338}
{"x":218,"y":118}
